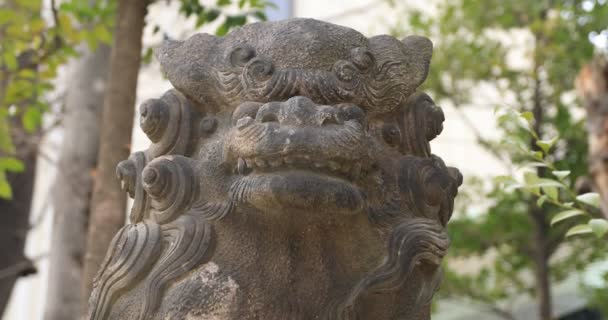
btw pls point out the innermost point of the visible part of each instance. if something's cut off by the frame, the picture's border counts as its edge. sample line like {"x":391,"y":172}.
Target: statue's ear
{"x":421,"y":121}
{"x":419,"y":51}
{"x":186,"y":64}
{"x":166,"y":51}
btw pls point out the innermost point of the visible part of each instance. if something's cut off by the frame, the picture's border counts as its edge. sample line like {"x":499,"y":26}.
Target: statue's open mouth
{"x":300,"y":156}
{"x":300,"y":182}
{"x":340,"y":168}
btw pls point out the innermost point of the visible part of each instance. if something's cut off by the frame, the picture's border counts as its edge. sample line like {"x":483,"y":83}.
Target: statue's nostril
{"x":270,"y":117}
{"x":350,"y":111}
{"x":329,"y":120}
{"x":246,"y":109}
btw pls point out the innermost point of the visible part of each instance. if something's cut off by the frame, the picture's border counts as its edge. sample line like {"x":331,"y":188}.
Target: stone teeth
{"x":320,"y":165}
{"x":275,"y":162}
{"x":261,"y":162}
{"x":241,"y":166}
{"x":345,"y":168}
{"x":333,"y":165}
{"x":244,"y":165}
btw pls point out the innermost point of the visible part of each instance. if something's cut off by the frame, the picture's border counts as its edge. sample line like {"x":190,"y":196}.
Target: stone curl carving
{"x":290,"y":176}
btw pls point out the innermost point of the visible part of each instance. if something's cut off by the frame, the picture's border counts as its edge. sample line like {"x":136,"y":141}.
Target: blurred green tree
{"x":524,"y":254}
{"x":32,"y":48}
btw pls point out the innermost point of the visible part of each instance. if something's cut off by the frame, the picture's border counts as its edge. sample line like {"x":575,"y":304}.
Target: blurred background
{"x":523,"y":85}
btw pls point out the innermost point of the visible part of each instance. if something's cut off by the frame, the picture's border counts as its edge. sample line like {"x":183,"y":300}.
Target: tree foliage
{"x":556,"y":188}
{"x":32,"y":49}
{"x":473,"y":42}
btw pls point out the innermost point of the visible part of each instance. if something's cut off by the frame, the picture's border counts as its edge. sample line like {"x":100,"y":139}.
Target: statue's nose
{"x":300,"y":112}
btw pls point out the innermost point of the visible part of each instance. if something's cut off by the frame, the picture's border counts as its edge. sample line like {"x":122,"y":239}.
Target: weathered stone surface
{"x":290,"y":177}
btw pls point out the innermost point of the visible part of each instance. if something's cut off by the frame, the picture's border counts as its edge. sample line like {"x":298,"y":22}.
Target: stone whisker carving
{"x":290,"y":176}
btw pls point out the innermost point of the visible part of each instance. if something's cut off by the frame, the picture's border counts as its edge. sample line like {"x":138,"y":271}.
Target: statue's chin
{"x":297,"y":192}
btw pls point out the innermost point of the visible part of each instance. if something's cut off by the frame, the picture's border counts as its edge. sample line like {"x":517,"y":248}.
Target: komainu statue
{"x":290,"y":177}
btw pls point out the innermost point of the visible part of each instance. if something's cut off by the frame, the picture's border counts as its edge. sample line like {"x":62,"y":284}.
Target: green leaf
{"x":231,"y":22}
{"x":32,"y":118}
{"x":546,"y":145}
{"x":579,"y":229}
{"x":200,"y":20}
{"x":531,"y":180}
{"x":525,"y":120}
{"x":68,"y":30}
{"x":10,"y":60}
{"x":212,"y":14}
{"x":6,"y":142}
{"x":147,"y":57}
{"x":102,"y":33}
{"x":6,"y":16}
{"x":33,"y":5}
{"x":537,"y":155}
{"x":551,"y":191}
{"x":11,"y":164}
{"x":6,"y":191}
{"x":564,"y":215}
{"x":236,"y":20}
{"x":528,"y":116}
{"x":222,"y":29}
{"x":91,"y":40}
{"x":26,"y":74}
{"x":531,"y":177}
{"x":561,"y":174}
{"x":590,"y":198}
{"x":546,"y":182}
{"x":534,"y":164}
{"x":37,"y":25}
{"x":541,"y":200}
{"x":505,"y":180}
{"x":264,"y":4}
{"x":599,"y":227}
{"x":261,"y":15}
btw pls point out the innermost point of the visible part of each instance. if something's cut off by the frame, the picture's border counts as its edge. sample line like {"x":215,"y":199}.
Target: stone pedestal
{"x":290,"y":177}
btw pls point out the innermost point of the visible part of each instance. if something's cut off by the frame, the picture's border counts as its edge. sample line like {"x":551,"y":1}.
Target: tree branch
{"x":22,"y":268}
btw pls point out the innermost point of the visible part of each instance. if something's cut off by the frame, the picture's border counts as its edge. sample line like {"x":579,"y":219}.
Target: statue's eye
{"x":391,"y":134}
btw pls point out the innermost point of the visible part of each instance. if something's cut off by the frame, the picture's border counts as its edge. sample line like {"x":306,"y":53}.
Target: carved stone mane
{"x":290,"y":176}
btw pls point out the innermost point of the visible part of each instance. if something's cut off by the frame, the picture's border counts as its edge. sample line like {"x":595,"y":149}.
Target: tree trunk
{"x":592,"y":87}
{"x":14,"y":216}
{"x":542,"y":271}
{"x":74,"y":183}
{"x":109,"y":201}
{"x":539,"y":216}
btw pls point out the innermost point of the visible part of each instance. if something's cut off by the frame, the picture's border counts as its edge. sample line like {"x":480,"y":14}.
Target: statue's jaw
{"x":296,"y":191}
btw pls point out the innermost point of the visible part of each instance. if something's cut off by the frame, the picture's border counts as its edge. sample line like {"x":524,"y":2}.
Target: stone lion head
{"x":290,"y":176}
